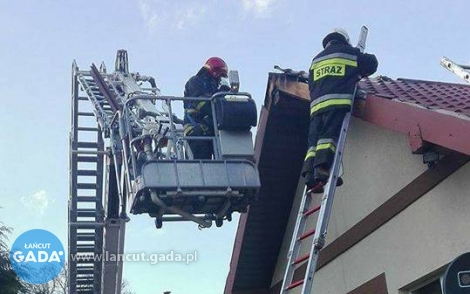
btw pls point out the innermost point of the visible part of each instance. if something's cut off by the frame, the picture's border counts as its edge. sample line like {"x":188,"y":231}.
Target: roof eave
{"x":419,"y":124}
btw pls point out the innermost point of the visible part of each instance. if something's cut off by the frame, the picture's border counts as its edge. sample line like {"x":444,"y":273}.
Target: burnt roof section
{"x":281,"y":144}
{"x":429,"y":94}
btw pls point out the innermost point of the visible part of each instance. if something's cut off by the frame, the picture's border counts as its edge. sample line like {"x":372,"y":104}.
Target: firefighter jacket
{"x":334,"y":74}
{"x":199,"y":112}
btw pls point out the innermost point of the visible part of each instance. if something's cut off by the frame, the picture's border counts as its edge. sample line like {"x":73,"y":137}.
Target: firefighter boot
{"x":322,"y":174}
{"x":310,"y":181}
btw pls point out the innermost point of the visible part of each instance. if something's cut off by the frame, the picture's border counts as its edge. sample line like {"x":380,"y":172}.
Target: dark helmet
{"x":216,"y":67}
{"x":336,"y":34}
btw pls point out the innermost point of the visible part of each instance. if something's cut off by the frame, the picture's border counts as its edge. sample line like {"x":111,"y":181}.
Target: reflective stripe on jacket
{"x":334,"y":73}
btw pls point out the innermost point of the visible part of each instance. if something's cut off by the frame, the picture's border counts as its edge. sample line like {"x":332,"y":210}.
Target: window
{"x":433,"y":287}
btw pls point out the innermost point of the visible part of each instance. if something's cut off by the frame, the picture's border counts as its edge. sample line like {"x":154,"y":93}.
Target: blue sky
{"x":170,"y":40}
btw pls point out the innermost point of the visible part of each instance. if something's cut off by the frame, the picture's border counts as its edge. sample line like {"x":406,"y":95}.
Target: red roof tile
{"x":431,"y":95}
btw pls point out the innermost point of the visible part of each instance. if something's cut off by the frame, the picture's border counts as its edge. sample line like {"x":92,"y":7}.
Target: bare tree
{"x":62,"y":282}
{"x":59,"y":285}
{"x":9,"y":281}
{"x":125,"y":287}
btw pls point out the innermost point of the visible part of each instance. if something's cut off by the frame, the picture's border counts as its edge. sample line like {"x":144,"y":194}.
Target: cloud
{"x":37,"y":202}
{"x":190,"y":16}
{"x":157,"y":14}
{"x":149,"y":14}
{"x":260,"y":8}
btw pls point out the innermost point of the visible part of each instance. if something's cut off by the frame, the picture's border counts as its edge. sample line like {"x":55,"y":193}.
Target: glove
{"x":224,"y":88}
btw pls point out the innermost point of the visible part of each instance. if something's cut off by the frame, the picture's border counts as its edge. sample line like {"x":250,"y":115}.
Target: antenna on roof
{"x":463,"y":71}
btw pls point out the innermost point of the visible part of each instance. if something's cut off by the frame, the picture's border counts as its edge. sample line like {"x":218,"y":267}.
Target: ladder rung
{"x":84,"y":261}
{"x":85,"y":282}
{"x":87,"y":186}
{"x":86,"y":273}
{"x":312,"y":211}
{"x":87,"y":145}
{"x":88,"y":129}
{"x":300,"y":259}
{"x":85,"y":172}
{"x":87,"y":158}
{"x":91,"y":83}
{"x":306,"y":235}
{"x":87,"y":199}
{"x":81,"y":98}
{"x":86,"y":237}
{"x":86,"y":114}
{"x":86,"y":225}
{"x":295,"y":284}
{"x":86,"y":212}
{"x":85,"y":285}
{"x":89,"y":152}
{"x":84,"y":256}
{"x":86,"y":249}
{"x":84,"y":269}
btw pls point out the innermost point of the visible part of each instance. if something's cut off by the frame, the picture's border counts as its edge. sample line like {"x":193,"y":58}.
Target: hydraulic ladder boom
{"x":125,"y":148}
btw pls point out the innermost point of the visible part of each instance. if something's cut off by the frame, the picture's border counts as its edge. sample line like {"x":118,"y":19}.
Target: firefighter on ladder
{"x":333,"y":76}
{"x":198,"y":119}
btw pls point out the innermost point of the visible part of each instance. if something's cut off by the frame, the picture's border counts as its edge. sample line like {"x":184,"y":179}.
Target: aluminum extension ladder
{"x":462,"y":71}
{"x":324,"y":210}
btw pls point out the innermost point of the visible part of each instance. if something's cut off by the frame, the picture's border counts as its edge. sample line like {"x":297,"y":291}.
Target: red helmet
{"x":216,"y":67}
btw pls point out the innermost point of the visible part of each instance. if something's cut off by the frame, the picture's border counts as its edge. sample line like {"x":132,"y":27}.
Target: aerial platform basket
{"x":180,"y":188}
{"x":196,"y":186}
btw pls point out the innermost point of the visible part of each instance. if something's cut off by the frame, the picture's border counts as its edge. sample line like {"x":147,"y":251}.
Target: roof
{"x":430,"y":113}
{"x":429,"y":94}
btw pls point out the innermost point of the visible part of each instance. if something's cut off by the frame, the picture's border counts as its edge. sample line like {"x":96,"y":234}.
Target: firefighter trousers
{"x":323,"y":135}
{"x":201,"y":149}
